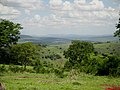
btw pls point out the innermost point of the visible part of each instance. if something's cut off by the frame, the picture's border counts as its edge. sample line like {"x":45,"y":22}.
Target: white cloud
{"x":93,"y":5}
{"x":3,"y":2}
{"x":55,"y":2}
{"x":8,"y":12}
{"x":80,"y":12}
{"x":67,"y":6}
{"x":60,"y":13}
{"x":83,"y":12}
{"x":79,"y":1}
{"x":97,"y":4}
{"x":51,"y":21}
{"x":29,"y":4}
{"x":9,"y":17}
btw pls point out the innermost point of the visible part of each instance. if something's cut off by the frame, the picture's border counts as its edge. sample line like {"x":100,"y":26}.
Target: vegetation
{"x":32,"y":81}
{"x":103,"y":65}
{"x":110,"y":48}
{"x":117,"y":33}
{"x":78,"y":53}
{"x":79,"y":65}
{"x":9,"y":33}
{"x":23,"y":54}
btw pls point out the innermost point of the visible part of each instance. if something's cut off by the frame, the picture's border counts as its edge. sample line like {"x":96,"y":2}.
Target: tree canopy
{"x":79,"y":51}
{"x":23,"y":53}
{"x":117,"y":33}
{"x":9,"y":32}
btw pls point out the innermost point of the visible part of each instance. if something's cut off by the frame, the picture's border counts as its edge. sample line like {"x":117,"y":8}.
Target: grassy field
{"x":32,"y":81}
{"x":111,"y":47}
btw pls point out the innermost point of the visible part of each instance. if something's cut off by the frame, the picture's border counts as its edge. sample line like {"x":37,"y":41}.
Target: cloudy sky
{"x":81,"y":17}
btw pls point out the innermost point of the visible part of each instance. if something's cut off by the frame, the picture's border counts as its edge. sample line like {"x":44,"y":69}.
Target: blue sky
{"x":81,"y":17}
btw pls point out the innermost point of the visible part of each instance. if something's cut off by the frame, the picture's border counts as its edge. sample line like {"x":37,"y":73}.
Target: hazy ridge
{"x":58,"y":39}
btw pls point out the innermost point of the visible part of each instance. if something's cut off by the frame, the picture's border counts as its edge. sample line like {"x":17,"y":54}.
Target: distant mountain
{"x":58,"y":39}
{"x":93,"y":38}
{"x":25,"y":36}
{"x":43,"y":40}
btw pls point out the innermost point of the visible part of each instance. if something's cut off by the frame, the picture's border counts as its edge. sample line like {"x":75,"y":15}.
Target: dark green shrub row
{"x":14,"y":69}
{"x":98,"y":65}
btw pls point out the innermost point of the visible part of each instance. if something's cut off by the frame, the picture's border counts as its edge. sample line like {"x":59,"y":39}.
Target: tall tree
{"x":79,"y":52}
{"x":9,"y":33}
{"x":23,"y":53}
{"x":117,"y":33}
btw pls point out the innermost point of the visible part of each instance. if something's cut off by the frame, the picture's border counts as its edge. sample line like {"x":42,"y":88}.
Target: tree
{"x":117,"y":33}
{"x":79,"y":52}
{"x":4,"y":56}
{"x":23,"y":53}
{"x":9,"y":33}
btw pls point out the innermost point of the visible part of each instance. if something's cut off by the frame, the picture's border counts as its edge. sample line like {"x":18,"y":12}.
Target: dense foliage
{"x":78,"y":52}
{"x":117,"y":33}
{"x":9,"y":33}
{"x":4,"y":56}
{"x":82,"y":58}
{"x":105,"y":64}
{"x":23,"y":53}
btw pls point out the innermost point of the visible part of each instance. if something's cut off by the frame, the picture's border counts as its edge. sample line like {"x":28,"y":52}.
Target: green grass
{"x":112,"y":47}
{"x":32,"y":81}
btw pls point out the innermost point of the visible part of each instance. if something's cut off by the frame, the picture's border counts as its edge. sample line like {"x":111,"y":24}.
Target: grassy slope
{"x":56,"y":49}
{"x":112,"y":47}
{"x":30,"y":81}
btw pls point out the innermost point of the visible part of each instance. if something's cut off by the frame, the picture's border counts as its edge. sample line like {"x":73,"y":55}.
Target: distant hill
{"x":25,"y":36}
{"x":43,"y":40}
{"x":58,"y":39}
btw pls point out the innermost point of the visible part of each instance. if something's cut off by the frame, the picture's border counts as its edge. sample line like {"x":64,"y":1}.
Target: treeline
{"x":84,"y":58}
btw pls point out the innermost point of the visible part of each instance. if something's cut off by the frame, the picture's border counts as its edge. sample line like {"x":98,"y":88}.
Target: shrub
{"x":3,"y":68}
{"x":15,"y":68}
{"x":59,"y":73}
{"x":103,"y":65}
{"x":37,"y":66}
{"x":67,"y":66}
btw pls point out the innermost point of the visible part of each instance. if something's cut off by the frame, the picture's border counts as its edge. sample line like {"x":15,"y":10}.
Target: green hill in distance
{"x":59,"y":39}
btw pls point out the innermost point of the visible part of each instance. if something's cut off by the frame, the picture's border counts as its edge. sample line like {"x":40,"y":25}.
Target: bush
{"x":103,"y":65}
{"x":15,"y":68}
{"x":3,"y":68}
{"x":37,"y":69}
{"x":59,"y":73}
{"x":67,"y":66}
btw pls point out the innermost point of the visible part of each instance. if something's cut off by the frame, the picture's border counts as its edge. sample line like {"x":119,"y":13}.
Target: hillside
{"x":61,"y":39}
{"x":43,"y":40}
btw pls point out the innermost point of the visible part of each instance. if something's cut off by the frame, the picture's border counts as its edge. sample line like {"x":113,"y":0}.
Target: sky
{"x":49,"y":17}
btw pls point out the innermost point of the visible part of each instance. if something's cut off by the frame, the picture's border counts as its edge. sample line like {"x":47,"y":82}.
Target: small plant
{"x":76,"y":83}
{"x":3,"y":68}
{"x":15,"y":69}
{"x":59,"y":73}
